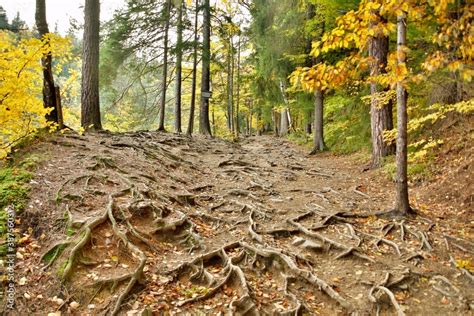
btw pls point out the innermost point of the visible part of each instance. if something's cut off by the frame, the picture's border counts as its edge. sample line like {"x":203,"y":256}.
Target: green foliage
{"x":347,"y":127}
{"x":300,"y":138}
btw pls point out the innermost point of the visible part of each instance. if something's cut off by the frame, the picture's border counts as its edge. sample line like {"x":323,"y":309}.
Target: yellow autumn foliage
{"x":21,"y":102}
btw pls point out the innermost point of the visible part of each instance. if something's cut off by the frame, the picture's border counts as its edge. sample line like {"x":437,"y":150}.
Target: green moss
{"x":70,"y":231}
{"x":54,"y":253}
{"x":62,"y":267}
{"x":13,"y":187}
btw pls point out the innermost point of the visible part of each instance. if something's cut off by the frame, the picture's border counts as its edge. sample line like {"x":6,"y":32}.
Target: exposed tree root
{"x":383,"y":287}
{"x":253,"y":227}
{"x":85,"y":236}
{"x":346,"y":250}
{"x":304,"y":274}
{"x":442,"y":280}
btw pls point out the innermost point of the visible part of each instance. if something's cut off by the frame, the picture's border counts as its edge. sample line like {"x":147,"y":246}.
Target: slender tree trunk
{"x":285,"y":117}
{"x":380,"y":114}
{"x":230,"y":84}
{"x":284,"y":123}
{"x":90,"y":110}
{"x":402,"y":205}
{"x":308,"y":122}
{"x":193,"y":84}
{"x":49,"y":95}
{"x":259,"y":129}
{"x":204,"y":126}
{"x":276,"y":116}
{"x":237,"y":101}
{"x":164,"y":83}
{"x":179,"y":57}
{"x":318,"y":138}
{"x":250,"y":118}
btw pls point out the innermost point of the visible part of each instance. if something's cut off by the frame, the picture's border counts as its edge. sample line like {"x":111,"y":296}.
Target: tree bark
{"x":308,"y":122}
{"x":204,"y":126}
{"x":318,"y":138}
{"x":90,"y":110}
{"x":193,"y":84}
{"x":179,"y":57}
{"x":237,"y":92}
{"x":164,"y":83}
{"x":380,"y":114}
{"x":230,"y":84}
{"x":284,"y":123}
{"x":49,"y":95}
{"x":276,"y":116}
{"x":285,"y":116}
{"x":249,"y":131}
{"x":402,"y":205}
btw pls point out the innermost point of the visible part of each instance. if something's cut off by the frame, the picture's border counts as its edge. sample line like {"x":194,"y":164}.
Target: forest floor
{"x":151,"y":223}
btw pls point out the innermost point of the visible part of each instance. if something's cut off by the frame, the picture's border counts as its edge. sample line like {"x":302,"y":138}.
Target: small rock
{"x":22,"y":281}
{"x":27,"y":296}
{"x":58,"y":301}
{"x":74,"y":305}
{"x":91,"y":306}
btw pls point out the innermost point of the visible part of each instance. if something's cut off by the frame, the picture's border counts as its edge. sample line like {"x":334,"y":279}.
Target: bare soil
{"x":152,"y":223}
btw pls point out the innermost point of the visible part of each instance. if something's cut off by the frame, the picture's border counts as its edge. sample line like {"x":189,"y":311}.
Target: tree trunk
{"x":164,"y":83}
{"x":402,"y":205}
{"x":284,"y":123}
{"x":276,"y":122}
{"x":249,"y":131}
{"x":237,"y":101}
{"x":179,"y":57}
{"x":308,"y":123}
{"x":285,"y":116}
{"x":57,"y":94}
{"x":259,"y":117}
{"x":204,"y":126}
{"x":230,"y":84}
{"x":193,"y":84}
{"x":318,"y":137}
{"x":90,"y":110}
{"x":380,"y":114}
{"x":49,"y":96}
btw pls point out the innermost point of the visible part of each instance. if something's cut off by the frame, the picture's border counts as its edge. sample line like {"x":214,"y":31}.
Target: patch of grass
{"x":416,"y":170}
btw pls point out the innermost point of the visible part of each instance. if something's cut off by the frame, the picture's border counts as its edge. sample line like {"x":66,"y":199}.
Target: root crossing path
{"x":150,"y":223}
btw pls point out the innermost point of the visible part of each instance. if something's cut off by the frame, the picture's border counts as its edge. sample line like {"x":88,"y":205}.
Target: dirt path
{"x":162,"y":223}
